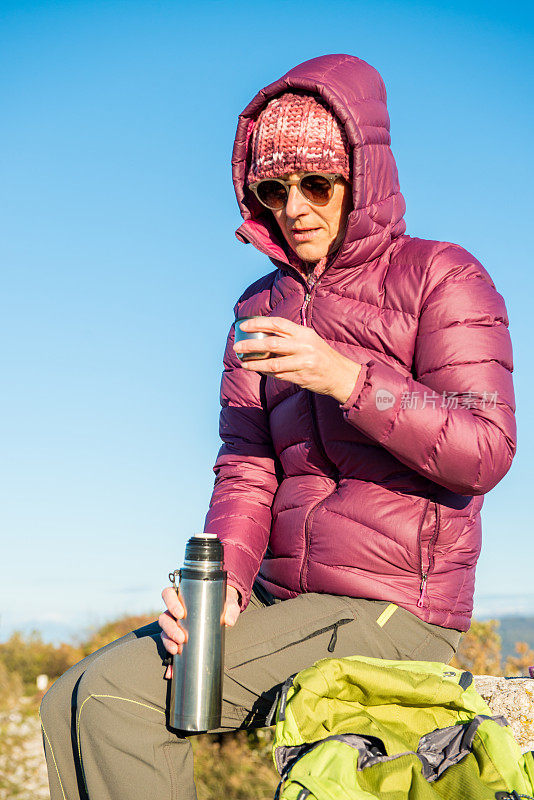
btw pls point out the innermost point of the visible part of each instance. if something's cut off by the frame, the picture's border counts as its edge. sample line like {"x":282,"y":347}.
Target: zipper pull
{"x":304,"y":307}
{"x":333,"y":640}
{"x":422,"y":596}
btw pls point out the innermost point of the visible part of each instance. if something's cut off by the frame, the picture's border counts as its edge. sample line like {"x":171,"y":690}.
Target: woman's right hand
{"x":173,"y":635}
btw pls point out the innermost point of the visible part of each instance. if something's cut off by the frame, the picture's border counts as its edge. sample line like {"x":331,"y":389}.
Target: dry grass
{"x":234,"y":766}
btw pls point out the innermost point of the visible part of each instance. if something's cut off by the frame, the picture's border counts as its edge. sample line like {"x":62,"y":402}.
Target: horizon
{"x":59,"y":630}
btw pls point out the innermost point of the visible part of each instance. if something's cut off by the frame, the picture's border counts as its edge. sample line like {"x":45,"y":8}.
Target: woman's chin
{"x":310,"y":252}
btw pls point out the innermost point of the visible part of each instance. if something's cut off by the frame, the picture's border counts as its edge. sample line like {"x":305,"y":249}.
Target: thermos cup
{"x":197,"y":673}
{"x":240,"y":335}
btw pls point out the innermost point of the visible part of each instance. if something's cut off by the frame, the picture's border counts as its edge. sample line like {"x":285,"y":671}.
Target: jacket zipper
{"x":307,"y":297}
{"x":309,"y":515}
{"x":317,"y":439}
{"x":311,"y":396}
{"x":423,"y":591}
{"x":307,"y":523}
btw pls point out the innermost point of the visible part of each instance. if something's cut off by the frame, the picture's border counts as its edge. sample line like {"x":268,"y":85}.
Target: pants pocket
{"x":420,"y":641}
{"x":264,"y":633}
{"x":267,"y":645}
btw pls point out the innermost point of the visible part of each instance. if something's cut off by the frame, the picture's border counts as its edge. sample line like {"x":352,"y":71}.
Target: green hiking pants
{"x":104,"y":721}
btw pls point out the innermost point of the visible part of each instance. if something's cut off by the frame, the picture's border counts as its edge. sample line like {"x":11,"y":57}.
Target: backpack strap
{"x":302,"y":795}
{"x":280,"y":697}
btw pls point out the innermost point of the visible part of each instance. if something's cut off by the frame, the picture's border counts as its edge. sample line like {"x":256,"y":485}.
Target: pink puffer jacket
{"x":379,"y":497}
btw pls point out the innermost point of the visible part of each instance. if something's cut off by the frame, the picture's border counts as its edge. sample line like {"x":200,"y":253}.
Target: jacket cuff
{"x":240,"y":571}
{"x":376,"y":406}
{"x":358,"y":386}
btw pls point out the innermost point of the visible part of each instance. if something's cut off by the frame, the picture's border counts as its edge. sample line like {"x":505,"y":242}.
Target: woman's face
{"x":313,"y":231}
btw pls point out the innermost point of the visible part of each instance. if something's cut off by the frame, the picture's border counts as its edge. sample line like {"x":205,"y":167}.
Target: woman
{"x":356,"y":455}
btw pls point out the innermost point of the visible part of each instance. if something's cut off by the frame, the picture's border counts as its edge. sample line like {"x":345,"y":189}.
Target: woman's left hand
{"x":299,"y":356}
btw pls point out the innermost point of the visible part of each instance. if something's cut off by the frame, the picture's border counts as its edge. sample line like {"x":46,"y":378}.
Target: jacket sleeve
{"x":246,"y":480}
{"x":453,"y":421}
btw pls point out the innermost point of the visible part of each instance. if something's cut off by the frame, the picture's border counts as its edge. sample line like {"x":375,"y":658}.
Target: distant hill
{"x":514,"y":629}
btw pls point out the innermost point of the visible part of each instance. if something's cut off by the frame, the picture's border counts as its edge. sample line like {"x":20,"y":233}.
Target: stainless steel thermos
{"x":197,"y":673}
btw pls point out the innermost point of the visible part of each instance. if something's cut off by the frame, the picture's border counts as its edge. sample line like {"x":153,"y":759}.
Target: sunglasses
{"x":314,"y":186}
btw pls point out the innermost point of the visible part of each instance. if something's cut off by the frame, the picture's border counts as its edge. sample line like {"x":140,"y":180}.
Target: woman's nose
{"x":296,"y":202}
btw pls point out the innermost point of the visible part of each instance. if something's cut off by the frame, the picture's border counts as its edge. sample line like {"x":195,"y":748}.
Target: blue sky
{"x":120,"y":266}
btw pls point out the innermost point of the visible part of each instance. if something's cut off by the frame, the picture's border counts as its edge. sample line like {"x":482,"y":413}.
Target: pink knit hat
{"x":297,"y":132}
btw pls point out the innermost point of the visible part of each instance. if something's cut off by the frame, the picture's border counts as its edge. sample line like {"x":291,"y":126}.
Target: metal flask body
{"x":197,"y":673}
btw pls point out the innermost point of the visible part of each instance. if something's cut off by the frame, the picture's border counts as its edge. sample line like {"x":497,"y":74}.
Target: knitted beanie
{"x":297,"y":132}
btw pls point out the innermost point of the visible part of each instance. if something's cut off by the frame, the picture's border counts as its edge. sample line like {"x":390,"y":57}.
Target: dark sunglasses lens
{"x":317,"y":189}
{"x":273,"y":194}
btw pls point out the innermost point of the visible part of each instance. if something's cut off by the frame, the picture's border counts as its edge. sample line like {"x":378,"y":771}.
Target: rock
{"x":514,"y":699}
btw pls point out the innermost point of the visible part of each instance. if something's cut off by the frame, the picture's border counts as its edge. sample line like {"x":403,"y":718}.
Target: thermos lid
{"x":204,"y":547}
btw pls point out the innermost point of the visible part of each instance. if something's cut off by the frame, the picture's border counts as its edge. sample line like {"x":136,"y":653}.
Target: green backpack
{"x":362,"y":728}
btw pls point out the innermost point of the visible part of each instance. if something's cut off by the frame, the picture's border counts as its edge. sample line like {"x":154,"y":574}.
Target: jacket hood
{"x":356,"y":94}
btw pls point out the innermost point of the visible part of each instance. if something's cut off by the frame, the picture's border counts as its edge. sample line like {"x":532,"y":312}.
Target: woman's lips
{"x":304,"y":235}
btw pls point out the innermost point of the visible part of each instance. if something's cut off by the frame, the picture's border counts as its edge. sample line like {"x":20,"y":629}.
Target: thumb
{"x":231,"y":612}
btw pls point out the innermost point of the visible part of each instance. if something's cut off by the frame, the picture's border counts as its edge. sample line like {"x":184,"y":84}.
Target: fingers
{"x":288,"y":365}
{"x":174,"y":603}
{"x":277,"y":325}
{"x":271,"y":344}
{"x":174,"y":634}
{"x":170,"y":646}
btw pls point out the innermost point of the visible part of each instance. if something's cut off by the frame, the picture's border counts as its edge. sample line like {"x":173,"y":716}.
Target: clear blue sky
{"x":120,"y":266}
